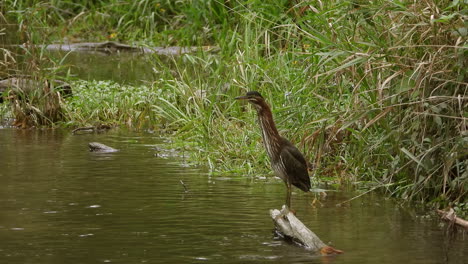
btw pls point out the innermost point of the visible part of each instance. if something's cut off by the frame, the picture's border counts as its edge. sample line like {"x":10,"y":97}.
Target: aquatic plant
{"x":106,"y":102}
{"x":38,"y":106}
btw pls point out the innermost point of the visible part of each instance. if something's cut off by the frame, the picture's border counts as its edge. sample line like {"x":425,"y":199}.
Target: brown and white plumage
{"x":287,"y":161}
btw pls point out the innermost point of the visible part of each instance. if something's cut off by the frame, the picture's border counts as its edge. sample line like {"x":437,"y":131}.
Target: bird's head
{"x":253,"y":97}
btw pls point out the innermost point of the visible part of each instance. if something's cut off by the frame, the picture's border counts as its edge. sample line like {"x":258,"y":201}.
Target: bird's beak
{"x":242,"y":97}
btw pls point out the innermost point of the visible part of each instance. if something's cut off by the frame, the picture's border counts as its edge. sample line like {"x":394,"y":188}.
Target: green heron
{"x":286,"y":160}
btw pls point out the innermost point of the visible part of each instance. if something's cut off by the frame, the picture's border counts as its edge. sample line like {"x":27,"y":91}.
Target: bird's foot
{"x":327,"y":250}
{"x":286,"y":209}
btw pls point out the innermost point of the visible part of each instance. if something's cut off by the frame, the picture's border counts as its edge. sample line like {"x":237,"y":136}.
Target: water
{"x":124,"y":67}
{"x":59,"y":203}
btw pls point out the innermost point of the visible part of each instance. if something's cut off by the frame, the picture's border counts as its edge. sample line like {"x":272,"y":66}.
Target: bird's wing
{"x":295,"y":167}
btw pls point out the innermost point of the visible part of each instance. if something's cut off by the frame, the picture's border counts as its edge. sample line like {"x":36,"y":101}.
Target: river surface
{"x":60,"y":203}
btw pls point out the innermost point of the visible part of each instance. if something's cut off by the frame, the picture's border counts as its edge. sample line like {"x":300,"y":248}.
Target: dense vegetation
{"x":371,"y":91}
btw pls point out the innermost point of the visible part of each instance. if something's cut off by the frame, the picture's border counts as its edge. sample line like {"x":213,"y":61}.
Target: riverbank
{"x":370,"y":92}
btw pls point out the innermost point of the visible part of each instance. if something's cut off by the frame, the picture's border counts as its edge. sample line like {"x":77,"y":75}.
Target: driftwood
{"x":110,"y":47}
{"x":290,"y":226}
{"x":99,"y":147}
{"x":452,"y":217}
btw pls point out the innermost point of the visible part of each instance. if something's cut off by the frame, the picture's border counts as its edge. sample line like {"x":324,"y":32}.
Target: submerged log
{"x":99,"y":147}
{"x":452,"y":217}
{"x":290,"y":226}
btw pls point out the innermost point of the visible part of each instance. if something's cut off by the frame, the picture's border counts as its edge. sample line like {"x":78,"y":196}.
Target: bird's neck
{"x":271,"y":137}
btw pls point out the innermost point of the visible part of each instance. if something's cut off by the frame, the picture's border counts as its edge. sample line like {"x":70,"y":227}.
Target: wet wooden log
{"x":290,"y":226}
{"x":99,"y":147}
{"x":452,"y":217}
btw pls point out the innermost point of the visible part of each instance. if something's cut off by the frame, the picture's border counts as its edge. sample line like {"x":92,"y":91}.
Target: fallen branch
{"x":185,"y":187}
{"x":290,"y":226}
{"x":452,"y":217}
{"x":111,"y":47}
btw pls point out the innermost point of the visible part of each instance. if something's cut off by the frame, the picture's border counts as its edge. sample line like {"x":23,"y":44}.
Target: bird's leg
{"x":288,"y":195}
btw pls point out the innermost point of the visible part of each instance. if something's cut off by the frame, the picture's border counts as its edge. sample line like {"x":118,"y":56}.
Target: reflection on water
{"x":63,"y":204}
{"x":124,"y":67}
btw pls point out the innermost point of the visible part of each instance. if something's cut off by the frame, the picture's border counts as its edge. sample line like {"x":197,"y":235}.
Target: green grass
{"x":369,"y":91}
